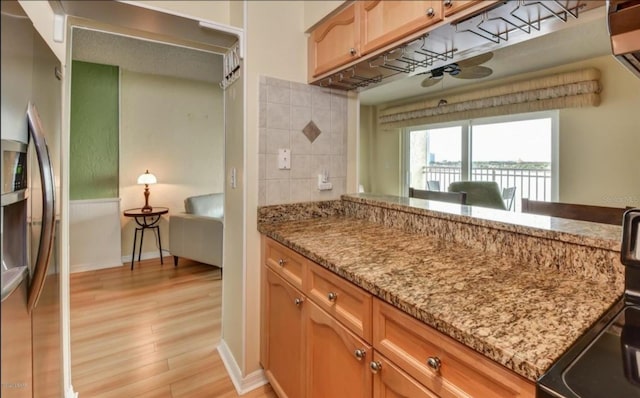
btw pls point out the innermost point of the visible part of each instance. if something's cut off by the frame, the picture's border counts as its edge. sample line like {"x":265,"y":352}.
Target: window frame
{"x":466,"y":139}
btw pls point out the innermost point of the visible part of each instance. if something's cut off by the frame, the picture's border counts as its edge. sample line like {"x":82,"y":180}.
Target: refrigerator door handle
{"x":48,"y":207}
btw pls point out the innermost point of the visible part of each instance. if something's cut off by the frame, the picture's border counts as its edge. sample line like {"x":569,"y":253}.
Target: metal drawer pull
{"x":434,"y":363}
{"x":448,"y":3}
{"x":332,"y":296}
{"x":431,"y":12}
{"x":352,"y":51}
{"x":281,"y":262}
{"x":298,"y":301}
{"x":360,"y":354}
{"x":375,"y":366}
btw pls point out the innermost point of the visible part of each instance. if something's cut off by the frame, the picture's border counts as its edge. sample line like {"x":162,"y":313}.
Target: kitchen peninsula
{"x":517,"y":288}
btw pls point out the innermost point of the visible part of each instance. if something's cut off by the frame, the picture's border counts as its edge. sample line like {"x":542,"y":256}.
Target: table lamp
{"x":146,"y":179}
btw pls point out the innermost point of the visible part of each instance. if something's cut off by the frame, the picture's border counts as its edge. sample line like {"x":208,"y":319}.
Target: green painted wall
{"x":94,"y":131}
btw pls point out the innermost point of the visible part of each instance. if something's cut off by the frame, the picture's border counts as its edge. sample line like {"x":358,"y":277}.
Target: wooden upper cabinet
{"x":335,"y":42}
{"x":453,"y":6}
{"x":385,"y":22}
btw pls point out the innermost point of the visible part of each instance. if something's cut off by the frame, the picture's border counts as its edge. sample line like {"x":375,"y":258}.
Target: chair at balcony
{"x":433,"y":185}
{"x":449,"y":197}
{"x":508,"y":195}
{"x":480,"y":193}
{"x":599,"y":214}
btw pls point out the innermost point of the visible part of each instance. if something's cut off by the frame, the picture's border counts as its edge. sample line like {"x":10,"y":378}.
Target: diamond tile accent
{"x":311,"y":131}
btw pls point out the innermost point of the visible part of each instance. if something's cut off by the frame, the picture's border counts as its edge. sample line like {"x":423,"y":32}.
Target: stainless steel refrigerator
{"x":30,"y":314}
{"x":30,"y":279}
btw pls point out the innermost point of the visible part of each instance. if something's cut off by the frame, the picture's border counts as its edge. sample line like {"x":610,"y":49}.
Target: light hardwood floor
{"x":150,"y":332}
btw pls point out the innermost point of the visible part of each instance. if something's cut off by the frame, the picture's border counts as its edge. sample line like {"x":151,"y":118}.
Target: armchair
{"x":197,"y":233}
{"x":480,"y":193}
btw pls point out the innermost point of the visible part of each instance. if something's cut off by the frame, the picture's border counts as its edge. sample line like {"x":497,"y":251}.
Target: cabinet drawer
{"x":285,"y":262}
{"x":341,"y":299}
{"x":461,"y":371}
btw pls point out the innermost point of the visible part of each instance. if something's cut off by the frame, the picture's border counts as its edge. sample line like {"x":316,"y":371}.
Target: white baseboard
{"x":242,"y":384}
{"x":69,"y":393}
{"x":145,"y":256}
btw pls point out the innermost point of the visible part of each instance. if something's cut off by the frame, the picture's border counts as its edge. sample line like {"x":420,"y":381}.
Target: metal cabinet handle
{"x":434,"y":363}
{"x":281,"y":262}
{"x":375,"y":366}
{"x":332,"y":296}
{"x":352,"y":51}
{"x":431,"y":12}
{"x":360,"y":354}
{"x":448,"y":3}
{"x":298,"y":301}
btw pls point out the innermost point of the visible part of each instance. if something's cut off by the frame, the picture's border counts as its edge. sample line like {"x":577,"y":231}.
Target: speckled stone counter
{"x":504,"y":307}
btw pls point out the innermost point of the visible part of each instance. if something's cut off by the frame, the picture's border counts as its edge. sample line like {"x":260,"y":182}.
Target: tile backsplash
{"x":286,"y":109}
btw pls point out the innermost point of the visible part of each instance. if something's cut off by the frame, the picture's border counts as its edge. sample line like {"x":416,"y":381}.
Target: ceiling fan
{"x":470,"y":68}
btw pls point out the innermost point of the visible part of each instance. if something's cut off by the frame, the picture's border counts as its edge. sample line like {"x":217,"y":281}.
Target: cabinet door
{"x":391,"y":382}
{"x":384,"y":22}
{"x":283,"y":356}
{"x":335,"y":42}
{"x":337,"y":361}
{"x":453,"y":6}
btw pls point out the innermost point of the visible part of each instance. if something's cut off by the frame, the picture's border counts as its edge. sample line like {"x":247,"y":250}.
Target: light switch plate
{"x":233,"y":178}
{"x":284,"y":159}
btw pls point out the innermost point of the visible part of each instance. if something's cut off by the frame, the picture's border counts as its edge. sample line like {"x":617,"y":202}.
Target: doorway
{"x":192,"y":169}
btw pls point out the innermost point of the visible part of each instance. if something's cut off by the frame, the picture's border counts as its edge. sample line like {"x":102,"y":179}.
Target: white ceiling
{"x":145,"y":56}
{"x":581,"y":41}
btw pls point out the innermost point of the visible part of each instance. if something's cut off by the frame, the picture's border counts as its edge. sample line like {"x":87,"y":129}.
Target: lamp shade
{"x":147,"y":178}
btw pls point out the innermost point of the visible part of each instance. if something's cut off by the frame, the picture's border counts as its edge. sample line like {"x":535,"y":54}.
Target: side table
{"x":145,"y":220}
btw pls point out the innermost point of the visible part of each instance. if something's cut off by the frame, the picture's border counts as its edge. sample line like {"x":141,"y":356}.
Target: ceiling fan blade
{"x":431,"y":81}
{"x":474,"y":72}
{"x":474,"y":61}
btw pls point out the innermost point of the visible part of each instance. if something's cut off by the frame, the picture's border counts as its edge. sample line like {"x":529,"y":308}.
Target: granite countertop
{"x":517,"y":315}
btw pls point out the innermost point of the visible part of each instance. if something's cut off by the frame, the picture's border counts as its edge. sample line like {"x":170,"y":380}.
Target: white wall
{"x":600,"y":147}
{"x":314,"y":11}
{"x":17,"y":82}
{"x":174,"y":128}
{"x":216,"y":11}
{"x":276,"y":47}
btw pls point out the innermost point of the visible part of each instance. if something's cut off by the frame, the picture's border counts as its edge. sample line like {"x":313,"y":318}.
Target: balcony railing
{"x":534,"y":184}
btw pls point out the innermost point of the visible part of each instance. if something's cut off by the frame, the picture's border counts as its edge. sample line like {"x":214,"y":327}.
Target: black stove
{"x":605,"y":361}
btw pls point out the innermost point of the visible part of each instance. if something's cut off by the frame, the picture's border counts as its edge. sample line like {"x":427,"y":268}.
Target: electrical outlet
{"x":323,"y":182}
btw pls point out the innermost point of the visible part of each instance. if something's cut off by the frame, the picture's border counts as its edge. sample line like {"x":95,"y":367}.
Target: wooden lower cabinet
{"x":337,"y":361}
{"x":320,"y":345}
{"x":283,"y":338}
{"x":389,"y":381}
{"x":443,"y":365}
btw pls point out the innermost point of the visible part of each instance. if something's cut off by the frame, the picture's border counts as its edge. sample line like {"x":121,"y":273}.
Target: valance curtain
{"x":563,"y":90}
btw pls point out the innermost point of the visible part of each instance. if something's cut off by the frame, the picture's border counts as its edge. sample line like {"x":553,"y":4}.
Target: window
{"x":514,"y":151}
